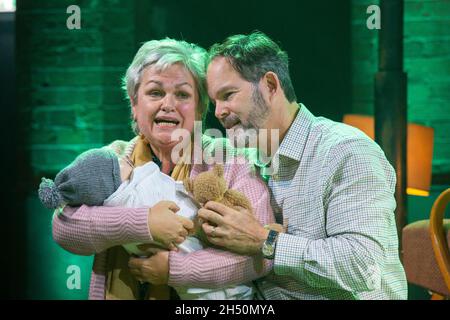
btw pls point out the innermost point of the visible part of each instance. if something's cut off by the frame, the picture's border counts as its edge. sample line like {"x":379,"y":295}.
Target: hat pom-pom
{"x":49,"y":194}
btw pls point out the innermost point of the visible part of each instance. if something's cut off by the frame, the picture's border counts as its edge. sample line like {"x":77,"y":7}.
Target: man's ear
{"x":271,"y":83}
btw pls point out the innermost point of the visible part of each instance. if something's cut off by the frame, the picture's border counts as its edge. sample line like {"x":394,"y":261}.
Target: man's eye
{"x":228,"y":95}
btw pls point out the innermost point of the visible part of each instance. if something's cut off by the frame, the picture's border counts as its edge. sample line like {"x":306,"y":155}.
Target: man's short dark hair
{"x":252,"y":56}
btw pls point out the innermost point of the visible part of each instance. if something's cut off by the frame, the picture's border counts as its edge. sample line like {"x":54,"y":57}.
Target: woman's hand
{"x":154,"y":269}
{"x":166,"y":226}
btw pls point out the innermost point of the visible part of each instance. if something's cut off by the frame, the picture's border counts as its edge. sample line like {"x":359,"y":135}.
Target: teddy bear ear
{"x":188,"y":185}
{"x":218,"y":170}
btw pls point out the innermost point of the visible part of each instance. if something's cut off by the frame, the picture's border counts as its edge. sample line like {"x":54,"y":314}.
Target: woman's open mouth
{"x":166,"y":122}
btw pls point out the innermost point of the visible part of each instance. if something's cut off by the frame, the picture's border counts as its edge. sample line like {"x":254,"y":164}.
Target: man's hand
{"x":154,"y":269}
{"x":238,"y":231}
{"x":166,"y":226}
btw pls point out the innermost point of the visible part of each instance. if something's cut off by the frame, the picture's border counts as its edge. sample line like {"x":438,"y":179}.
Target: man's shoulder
{"x":337,"y":137}
{"x":342,"y":146}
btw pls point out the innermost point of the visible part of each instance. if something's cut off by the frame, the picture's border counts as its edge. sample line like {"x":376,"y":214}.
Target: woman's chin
{"x":165,"y":141}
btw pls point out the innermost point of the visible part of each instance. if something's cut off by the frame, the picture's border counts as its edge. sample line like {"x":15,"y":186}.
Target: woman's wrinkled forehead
{"x":175,"y":73}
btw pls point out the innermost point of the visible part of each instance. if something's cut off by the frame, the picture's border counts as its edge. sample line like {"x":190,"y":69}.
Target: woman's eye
{"x":183,"y":95}
{"x":155,"y":93}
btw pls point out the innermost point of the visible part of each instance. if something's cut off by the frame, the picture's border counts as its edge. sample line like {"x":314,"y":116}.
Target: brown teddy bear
{"x":212,"y":186}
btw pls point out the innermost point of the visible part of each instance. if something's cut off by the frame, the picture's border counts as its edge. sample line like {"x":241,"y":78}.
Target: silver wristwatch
{"x":268,"y":248}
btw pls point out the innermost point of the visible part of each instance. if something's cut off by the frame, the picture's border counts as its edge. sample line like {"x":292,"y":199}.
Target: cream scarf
{"x":120,"y":284}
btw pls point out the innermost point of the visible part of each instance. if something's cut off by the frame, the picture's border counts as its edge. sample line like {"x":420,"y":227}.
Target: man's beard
{"x":245,"y":134}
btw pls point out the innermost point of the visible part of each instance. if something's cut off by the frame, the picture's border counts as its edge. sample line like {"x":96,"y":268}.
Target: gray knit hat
{"x":91,"y":178}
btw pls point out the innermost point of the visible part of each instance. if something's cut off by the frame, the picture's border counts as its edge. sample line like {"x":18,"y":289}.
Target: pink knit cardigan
{"x":92,"y":230}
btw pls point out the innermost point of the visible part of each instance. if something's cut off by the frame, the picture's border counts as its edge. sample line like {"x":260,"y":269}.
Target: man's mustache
{"x":229,"y":121}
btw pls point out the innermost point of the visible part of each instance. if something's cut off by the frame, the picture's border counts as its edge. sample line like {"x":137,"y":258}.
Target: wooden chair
{"x":439,"y":231}
{"x":426,"y":252}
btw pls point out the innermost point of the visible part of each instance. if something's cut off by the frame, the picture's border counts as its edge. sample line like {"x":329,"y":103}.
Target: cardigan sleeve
{"x":211,"y":267}
{"x":88,"y":230}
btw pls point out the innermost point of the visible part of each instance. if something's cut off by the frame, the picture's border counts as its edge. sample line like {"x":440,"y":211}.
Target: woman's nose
{"x":168,"y":103}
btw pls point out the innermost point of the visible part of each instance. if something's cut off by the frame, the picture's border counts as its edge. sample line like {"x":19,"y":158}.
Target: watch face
{"x":267,"y":250}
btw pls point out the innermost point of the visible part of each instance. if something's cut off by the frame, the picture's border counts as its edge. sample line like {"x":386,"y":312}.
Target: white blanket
{"x":146,"y":187}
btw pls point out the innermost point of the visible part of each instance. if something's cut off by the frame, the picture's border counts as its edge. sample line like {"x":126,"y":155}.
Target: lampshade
{"x":419,"y":152}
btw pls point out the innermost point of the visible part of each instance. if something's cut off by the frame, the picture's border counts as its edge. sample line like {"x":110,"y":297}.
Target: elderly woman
{"x":166,"y":87}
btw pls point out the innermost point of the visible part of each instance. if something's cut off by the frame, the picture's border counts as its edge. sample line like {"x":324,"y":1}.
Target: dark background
{"x":315,"y":34}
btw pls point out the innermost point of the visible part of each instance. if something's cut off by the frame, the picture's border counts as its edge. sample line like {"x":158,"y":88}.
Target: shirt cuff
{"x":289,"y":254}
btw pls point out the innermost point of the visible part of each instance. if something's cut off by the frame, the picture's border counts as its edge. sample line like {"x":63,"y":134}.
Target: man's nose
{"x":221,"y":111}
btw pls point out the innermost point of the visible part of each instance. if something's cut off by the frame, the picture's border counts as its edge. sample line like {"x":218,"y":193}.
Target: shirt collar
{"x":296,"y":137}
